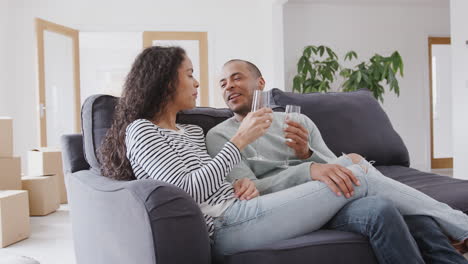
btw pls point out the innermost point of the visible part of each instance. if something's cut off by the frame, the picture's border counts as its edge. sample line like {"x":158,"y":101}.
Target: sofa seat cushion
{"x":453,"y":192}
{"x":323,"y":246}
{"x":350,"y":122}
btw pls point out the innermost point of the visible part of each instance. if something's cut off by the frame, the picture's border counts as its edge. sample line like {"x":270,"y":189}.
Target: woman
{"x":145,"y":142}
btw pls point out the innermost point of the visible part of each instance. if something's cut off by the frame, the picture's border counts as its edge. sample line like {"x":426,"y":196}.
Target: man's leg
{"x":377,"y":219}
{"x":434,"y":245}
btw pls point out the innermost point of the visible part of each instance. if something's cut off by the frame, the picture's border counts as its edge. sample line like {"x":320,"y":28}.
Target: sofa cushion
{"x":442,"y":188}
{"x":320,"y":246}
{"x":72,"y":153}
{"x":205,"y":117}
{"x":351,"y":122}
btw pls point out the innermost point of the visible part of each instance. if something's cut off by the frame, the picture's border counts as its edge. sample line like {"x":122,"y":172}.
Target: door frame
{"x":41,"y":26}
{"x":436,"y":163}
{"x":202,"y":37}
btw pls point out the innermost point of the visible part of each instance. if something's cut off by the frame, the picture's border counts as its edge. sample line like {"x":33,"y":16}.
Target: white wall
{"x":236,"y":29}
{"x":377,"y":28}
{"x":3,"y":55}
{"x":459,"y":29}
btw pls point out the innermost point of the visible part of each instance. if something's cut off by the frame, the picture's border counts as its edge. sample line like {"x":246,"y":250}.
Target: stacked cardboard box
{"x":14,"y":204}
{"x":43,"y":195}
{"x":48,"y":162}
{"x":10,"y":167}
{"x":14,"y":217}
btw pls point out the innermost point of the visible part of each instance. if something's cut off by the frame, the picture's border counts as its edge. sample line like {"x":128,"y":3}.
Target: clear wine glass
{"x":260,"y":99}
{"x":293,"y":113}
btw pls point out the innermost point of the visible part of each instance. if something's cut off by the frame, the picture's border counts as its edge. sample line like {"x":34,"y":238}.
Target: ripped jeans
{"x":299,"y":210}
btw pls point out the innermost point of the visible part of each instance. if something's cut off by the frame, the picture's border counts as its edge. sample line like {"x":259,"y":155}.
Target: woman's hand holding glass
{"x":260,"y":100}
{"x":254,"y":125}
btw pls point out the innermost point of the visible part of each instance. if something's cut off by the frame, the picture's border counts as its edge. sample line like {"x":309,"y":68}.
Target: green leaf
{"x":307,"y":52}
{"x":314,"y":49}
{"x":313,"y":73}
{"x":307,"y":67}
{"x":345,"y":73}
{"x":359,"y":76}
{"x":321,"y":50}
{"x":366,"y":79}
{"x":322,"y":86}
{"x":297,"y":83}
{"x":401,"y":68}
{"x":331,"y":54}
{"x":301,"y":63}
{"x":328,"y":75}
{"x":395,"y":63}
{"x":350,"y":55}
{"x":335,"y":65}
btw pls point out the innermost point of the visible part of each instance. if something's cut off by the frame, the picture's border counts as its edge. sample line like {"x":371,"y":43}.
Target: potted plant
{"x":318,"y":66}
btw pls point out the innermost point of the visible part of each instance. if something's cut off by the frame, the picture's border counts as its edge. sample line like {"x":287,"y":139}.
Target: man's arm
{"x":285,"y":179}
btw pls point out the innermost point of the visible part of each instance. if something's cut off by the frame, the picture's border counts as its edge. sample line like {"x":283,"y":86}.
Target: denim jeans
{"x":307,"y":207}
{"x":434,"y":245}
{"x":394,"y":238}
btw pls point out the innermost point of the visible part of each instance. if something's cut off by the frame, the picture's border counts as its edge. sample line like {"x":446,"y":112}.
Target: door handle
{"x":42,"y":109}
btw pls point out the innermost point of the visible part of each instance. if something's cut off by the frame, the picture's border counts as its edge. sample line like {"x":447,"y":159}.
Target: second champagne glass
{"x":293,"y":113}
{"x":260,"y":99}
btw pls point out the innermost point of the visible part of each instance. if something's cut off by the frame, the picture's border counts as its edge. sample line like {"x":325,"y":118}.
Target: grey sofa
{"x":148,"y":221}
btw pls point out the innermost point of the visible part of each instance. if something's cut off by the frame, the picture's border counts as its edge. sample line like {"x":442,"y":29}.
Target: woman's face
{"x":187,"y":87}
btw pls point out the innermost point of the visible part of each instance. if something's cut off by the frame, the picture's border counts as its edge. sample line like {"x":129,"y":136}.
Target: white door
{"x":59,"y":86}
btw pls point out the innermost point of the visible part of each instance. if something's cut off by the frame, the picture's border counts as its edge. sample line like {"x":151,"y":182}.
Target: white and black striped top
{"x":180,"y":158}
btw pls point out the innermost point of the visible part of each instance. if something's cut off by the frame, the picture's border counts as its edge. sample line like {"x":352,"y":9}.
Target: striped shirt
{"x":180,"y":158}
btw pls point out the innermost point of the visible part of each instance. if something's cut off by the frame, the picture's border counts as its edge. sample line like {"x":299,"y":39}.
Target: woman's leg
{"x":277,"y":216}
{"x":413,"y":202}
{"x":307,"y":207}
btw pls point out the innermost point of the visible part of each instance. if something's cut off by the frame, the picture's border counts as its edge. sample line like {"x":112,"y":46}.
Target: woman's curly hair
{"x":150,"y":85}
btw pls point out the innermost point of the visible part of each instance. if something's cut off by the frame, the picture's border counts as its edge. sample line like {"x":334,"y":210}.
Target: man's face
{"x":238,"y":84}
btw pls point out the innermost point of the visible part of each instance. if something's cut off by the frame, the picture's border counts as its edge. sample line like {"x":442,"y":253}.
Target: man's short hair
{"x":252,"y":68}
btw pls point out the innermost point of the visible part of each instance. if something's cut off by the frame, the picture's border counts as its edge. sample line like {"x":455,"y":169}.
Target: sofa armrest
{"x":141,"y":221}
{"x":72,"y":153}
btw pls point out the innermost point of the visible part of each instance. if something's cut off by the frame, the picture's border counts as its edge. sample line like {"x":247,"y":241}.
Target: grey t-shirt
{"x":266,"y":174}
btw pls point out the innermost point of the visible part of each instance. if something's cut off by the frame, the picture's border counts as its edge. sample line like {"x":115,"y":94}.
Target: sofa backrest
{"x":351,"y":122}
{"x":96,"y":117}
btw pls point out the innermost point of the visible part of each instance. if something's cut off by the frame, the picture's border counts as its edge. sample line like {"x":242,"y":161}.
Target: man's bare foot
{"x":461,"y":247}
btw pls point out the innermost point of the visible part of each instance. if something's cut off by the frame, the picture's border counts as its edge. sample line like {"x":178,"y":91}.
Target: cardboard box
{"x":60,"y":183}
{"x":48,"y":162}
{"x":6,"y":137}
{"x":10,"y":173}
{"x":44,"y":161}
{"x":43,"y":195}
{"x":14,"y":217}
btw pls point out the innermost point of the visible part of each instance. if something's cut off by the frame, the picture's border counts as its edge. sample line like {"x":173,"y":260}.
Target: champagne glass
{"x":260,"y":99}
{"x":293,"y":113}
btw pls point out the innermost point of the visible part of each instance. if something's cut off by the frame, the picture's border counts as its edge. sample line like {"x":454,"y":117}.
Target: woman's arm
{"x":150,"y":150}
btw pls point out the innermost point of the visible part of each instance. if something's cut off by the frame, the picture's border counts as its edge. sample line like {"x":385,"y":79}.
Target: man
{"x":389,"y":235}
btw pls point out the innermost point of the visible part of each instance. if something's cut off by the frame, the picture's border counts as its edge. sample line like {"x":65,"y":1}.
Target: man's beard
{"x":242,"y":111}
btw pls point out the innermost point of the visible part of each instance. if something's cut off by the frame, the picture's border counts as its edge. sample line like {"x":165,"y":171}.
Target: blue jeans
{"x":394,"y":238}
{"x":434,"y":245}
{"x":307,"y":207}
